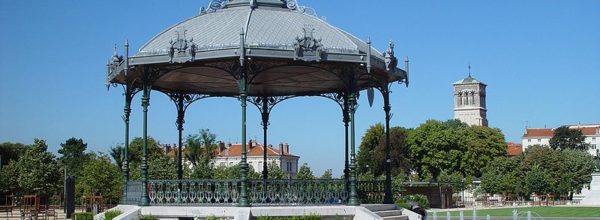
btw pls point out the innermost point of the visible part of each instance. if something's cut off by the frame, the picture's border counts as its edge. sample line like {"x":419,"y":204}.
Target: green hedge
{"x":148,"y":217}
{"x":112,"y":214}
{"x":83,"y":216}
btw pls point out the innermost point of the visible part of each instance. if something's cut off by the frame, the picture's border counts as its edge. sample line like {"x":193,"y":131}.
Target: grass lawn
{"x":536,"y":211}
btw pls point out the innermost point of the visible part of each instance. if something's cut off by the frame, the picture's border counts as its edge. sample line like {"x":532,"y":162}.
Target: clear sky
{"x":540,"y":59}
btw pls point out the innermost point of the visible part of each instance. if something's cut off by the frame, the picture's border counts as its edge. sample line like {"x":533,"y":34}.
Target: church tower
{"x":469,"y":101}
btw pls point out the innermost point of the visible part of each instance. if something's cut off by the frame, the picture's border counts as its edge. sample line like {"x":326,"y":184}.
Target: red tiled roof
{"x":514,"y":149}
{"x":539,"y":132}
{"x":235,"y":150}
{"x":589,"y":130}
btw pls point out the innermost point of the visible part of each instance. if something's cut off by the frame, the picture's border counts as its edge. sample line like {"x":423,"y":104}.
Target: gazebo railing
{"x":197,"y":192}
{"x":371,"y":191}
{"x":298,"y":192}
{"x":260,"y":192}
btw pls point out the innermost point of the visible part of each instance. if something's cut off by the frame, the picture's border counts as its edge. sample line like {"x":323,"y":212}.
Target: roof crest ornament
{"x":308,"y":48}
{"x":391,"y":62}
{"x":182,"y":47}
{"x":214,"y":6}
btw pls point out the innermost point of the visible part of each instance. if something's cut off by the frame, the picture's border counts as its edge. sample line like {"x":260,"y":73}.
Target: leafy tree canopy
{"x":565,"y":138}
{"x":100,"y":177}
{"x":304,"y":173}
{"x":73,"y":155}
{"x":38,"y":171}
{"x":368,"y":143}
{"x":11,"y":152}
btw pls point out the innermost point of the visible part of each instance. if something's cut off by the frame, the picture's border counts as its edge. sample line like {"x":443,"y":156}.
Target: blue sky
{"x":540,"y":59}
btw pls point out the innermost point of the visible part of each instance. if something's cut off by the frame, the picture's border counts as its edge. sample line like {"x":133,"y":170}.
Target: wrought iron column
{"x":353,"y":178}
{"x":265,"y":123}
{"x":388,"y":198}
{"x":243,"y":84}
{"x":180,"y":121}
{"x":346,"y":119}
{"x":130,"y":91}
{"x":144,"y":167}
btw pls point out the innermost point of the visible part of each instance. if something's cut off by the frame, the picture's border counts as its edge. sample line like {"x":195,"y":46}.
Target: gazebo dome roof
{"x":271,"y":24}
{"x":289,"y":51}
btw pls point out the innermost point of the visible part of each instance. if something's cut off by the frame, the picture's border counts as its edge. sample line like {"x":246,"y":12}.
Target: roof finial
{"x":469,"y":70}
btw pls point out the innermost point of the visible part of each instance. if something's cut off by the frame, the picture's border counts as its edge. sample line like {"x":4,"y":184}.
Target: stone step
{"x":396,"y":218}
{"x":389,"y":213}
{"x":379,"y":207}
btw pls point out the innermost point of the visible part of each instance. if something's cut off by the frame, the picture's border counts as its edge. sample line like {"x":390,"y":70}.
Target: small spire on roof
{"x":469,"y":70}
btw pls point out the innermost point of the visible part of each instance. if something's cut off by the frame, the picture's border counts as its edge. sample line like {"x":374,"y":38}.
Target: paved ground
{"x":16,"y":215}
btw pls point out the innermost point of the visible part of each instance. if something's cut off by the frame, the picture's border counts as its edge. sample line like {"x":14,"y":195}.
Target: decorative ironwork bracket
{"x":271,"y":101}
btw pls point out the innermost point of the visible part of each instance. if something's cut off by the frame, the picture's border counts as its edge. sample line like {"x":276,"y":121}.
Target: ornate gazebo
{"x":261,"y":52}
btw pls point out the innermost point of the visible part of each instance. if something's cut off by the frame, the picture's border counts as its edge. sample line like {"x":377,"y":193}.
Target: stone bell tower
{"x":470,"y":102}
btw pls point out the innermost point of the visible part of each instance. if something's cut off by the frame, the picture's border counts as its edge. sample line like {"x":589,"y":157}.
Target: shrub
{"x":407,"y":201}
{"x":83,"y":216}
{"x":148,"y":217}
{"x":112,"y":214}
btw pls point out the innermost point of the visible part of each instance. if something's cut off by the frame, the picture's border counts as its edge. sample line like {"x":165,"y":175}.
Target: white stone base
{"x":592,"y":196}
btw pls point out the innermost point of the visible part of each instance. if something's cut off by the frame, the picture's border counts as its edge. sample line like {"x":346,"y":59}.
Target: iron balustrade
{"x":298,"y":192}
{"x":371,"y":191}
{"x":260,"y":192}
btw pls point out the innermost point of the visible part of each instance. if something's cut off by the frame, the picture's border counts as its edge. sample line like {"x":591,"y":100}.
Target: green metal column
{"x":265,"y":124}
{"x":244,"y":202}
{"x":345,"y":112}
{"x":145,"y":201}
{"x":353,"y":178}
{"x":127,"y":111}
{"x":243,"y":85}
{"x":180,"y":122}
{"x":388,"y":198}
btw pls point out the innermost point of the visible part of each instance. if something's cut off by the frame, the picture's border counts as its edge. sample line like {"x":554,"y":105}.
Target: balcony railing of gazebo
{"x":260,"y":192}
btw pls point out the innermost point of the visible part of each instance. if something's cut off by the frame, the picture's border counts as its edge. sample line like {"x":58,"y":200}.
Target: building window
{"x":539,"y":140}
{"x":528,"y":140}
{"x":593,"y":139}
{"x":230,"y":164}
{"x":594,"y":146}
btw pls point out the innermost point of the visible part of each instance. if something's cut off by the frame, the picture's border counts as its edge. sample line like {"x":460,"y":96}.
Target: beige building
{"x":470,"y":101}
{"x":231,"y":155}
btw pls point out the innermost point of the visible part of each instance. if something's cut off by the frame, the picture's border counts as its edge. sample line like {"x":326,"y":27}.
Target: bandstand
{"x":261,"y":52}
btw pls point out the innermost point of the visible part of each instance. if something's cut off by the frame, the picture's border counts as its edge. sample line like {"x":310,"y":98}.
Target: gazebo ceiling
{"x":289,"y":52}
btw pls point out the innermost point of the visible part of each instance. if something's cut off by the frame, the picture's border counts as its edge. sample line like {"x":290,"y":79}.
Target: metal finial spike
{"x":469,"y":70}
{"x":115,"y":50}
{"x":126,"y":42}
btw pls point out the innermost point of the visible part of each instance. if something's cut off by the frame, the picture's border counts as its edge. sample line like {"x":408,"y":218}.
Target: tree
{"x":162,"y":168}
{"x":327,"y":175}
{"x":537,"y":181}
{"x":304,"y":173}
{"x":73,"y":155}
{"x":368,"y":143}
{"x":136,"y":147}
{"x":501,"y":176}
{"x":401,"y":163}
{"x":482,"y":145}
{"x":117,"y":155}
{"x":566,"y":138}
{"x":9,"y":175}
{"x":201,"y":147}
{"x":202,"y":171}
{"x":577,"y":168}
{"x":11,"y":152}
{"x":275,"y":172}
{"x":435,"y":147}
{"x":233,"y":172}
{"x":100,"y":177}
{"x":38,"y":171}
